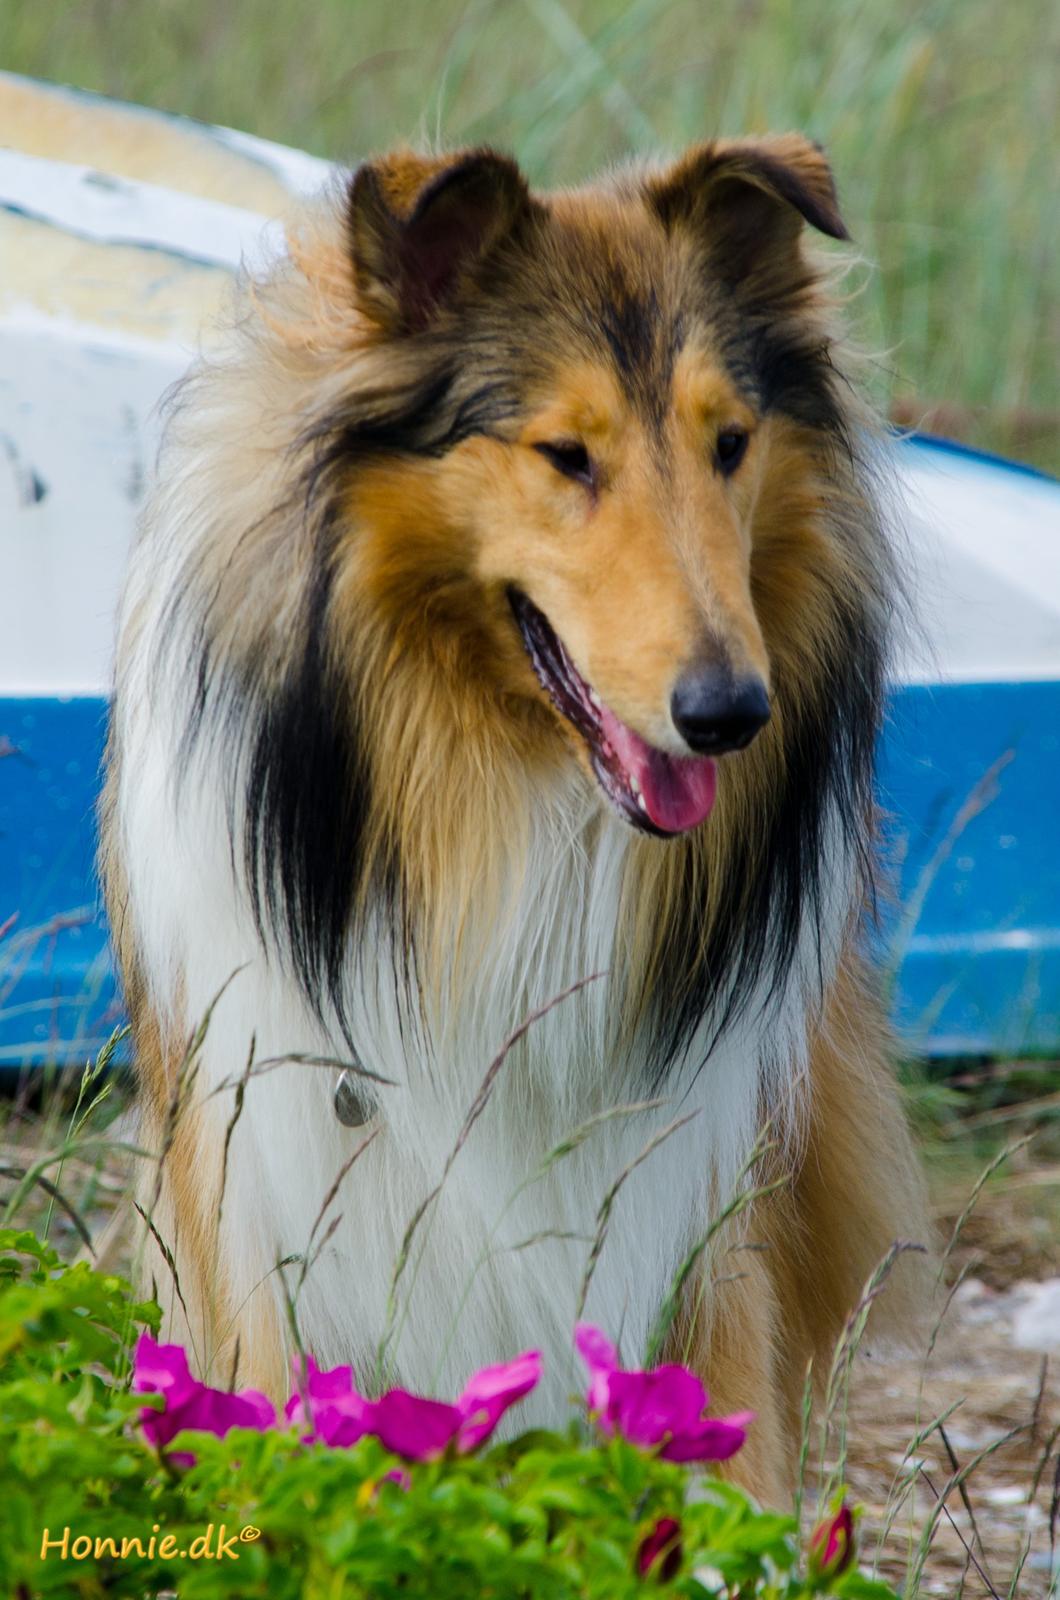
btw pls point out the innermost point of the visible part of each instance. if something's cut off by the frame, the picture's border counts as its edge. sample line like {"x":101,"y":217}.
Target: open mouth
{"x":656,"y":792}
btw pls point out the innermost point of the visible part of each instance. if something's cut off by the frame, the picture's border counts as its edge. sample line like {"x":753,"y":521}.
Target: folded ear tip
{"x":826,"y":217}
{"x":829,"y":219}
{"x":789,"y":166}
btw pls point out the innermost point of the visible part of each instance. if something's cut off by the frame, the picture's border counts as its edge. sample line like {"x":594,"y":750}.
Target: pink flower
{"x":661,"y":1547}
{"x":490,"y":1392}
{"x":601,"y":1357}
{"x":328,"y":1401}
{"x":662,"y":1407}
{"x":421,"y":1430}
{"x":831,"y":1548}
{"x":411,"y":1425}
{"x":328,"y":1405}
{"x":163,"y":1369}
{"x":414,"y":1427}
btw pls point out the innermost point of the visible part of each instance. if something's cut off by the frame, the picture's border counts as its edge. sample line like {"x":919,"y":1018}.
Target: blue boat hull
{"x":969,"y":776}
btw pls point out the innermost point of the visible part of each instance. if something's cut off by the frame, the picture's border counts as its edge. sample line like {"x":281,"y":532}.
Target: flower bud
{"x":660,"y":1551}
{"x":831,"y":1548}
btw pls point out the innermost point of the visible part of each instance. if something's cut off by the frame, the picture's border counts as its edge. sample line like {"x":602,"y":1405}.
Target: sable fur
{"x":335,"y":784}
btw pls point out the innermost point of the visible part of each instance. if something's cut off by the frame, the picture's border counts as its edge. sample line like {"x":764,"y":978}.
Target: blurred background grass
{"x":941,"y":119}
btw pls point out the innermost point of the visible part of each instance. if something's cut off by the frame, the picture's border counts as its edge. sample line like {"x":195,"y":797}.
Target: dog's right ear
{"x":419,"y":224}
{"x":747,"y":199}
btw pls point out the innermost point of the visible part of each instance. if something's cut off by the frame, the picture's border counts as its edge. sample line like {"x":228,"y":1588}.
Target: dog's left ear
{"x":418,"y":225}
{"x":747,"y":199}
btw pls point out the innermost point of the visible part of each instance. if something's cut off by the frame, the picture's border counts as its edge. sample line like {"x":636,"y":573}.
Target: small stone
{"x":1036,"y":1324}
{"x":1005,"y":1494}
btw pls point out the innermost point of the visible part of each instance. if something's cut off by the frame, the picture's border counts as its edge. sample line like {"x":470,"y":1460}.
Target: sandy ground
{"x":978,"y":1368}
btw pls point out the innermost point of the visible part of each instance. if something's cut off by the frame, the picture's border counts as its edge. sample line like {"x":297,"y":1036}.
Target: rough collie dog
{"x":511,"y":609}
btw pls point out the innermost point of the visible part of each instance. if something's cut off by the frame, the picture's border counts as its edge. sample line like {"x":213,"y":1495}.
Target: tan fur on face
{"x":647,"y":574}
{"x":461,"y":719}
{"x":455,"y":714}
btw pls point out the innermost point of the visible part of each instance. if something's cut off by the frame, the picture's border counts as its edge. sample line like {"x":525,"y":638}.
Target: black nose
{"x":714,"y":712}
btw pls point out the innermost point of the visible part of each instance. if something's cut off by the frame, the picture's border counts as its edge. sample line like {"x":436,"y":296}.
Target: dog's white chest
{"x":553,"y":1172}
{"x":498,"y":1261}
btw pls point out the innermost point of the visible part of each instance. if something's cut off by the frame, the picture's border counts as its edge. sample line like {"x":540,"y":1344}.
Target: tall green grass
{"x":941,"y":117}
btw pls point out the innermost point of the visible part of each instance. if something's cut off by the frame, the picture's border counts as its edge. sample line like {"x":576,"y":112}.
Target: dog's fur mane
{"x":307,"y":816}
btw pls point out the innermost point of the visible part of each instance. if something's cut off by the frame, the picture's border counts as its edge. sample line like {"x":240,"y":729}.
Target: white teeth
{"x":595,"y":699}
{"x":635,"y":791}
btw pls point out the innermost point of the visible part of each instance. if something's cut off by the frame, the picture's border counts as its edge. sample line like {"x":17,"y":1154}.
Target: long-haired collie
{"x":511,"y":609}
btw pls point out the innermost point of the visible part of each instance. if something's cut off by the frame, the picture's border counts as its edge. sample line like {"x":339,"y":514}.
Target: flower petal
{"x":335,"y":1383}
{"x":595,"y":1348}
{"x":647,"y":1407}
{"x":162,"y":1369}
{"x":712,"y":1439}
{"x":342,"y":1425}
{"x":489,"y":1393}
{"x":601,"y":1358}
{"x":329,"y":1402}
{"x":413,"y":1427}
{"x":216,"y":1411}
{"x":663,"y":1407}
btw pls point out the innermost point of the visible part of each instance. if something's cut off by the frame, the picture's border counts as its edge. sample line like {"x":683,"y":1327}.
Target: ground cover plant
{"x":211,"y":1493}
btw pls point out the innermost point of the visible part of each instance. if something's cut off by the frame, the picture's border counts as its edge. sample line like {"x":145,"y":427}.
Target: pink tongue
{"x":678,"y":791}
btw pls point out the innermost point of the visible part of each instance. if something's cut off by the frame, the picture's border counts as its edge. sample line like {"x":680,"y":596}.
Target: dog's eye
{"x":572,"y":459}
{"x":730,"y":449}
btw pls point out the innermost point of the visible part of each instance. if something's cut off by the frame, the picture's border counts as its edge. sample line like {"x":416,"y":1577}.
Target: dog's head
{"x":499,"y":485}
{"x":606,"y":404}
